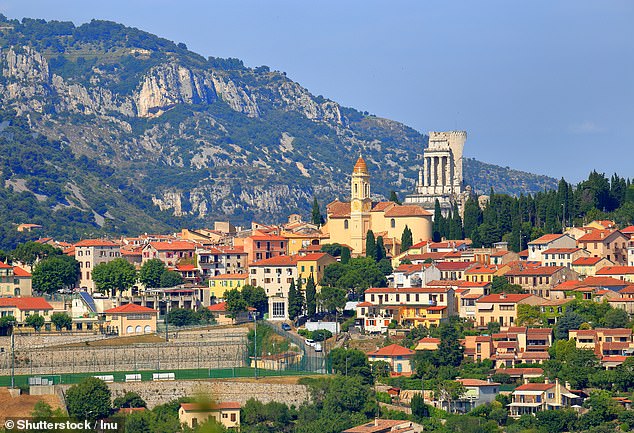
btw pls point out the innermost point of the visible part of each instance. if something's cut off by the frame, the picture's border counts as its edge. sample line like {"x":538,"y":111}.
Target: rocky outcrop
{"x":235,"y":96}
{"x":294,"y":97}
{"x":170,"y":84}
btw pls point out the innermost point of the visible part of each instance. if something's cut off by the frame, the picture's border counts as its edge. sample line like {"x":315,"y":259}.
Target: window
{"x":345,"y":224}
{"x":392,"y":223}
{"x":233,"y":417}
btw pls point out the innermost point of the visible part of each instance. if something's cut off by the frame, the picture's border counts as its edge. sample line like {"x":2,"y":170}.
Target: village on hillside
{"x":434,"y":325}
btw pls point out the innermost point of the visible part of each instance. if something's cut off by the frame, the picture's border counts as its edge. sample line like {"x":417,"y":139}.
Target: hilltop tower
{"x":441,"y":176}
{"x":360,"y":205}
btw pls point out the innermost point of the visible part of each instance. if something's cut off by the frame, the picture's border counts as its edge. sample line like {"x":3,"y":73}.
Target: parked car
{"x":286,"y":327}
{"x":317,"y":347}
{"x":310,"y":342}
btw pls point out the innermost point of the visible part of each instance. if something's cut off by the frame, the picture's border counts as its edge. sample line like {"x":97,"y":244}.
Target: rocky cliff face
{"x":204,"y":138}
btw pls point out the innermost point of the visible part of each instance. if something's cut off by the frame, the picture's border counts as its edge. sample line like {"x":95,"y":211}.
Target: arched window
{"x":367,"y":190}
{"x":129,"y":330}
{"x":147,"y":329}
{"x":356,"y":189}
{"x":392,"y":223}
{"x":138,"y":329}
{"x":345,"y":224}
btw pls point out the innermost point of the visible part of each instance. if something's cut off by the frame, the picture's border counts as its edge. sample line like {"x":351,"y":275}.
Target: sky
{"x":545,"y":86}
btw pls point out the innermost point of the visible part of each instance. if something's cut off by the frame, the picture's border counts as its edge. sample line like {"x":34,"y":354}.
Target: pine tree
{"x":439,"y":222}
{"x":295,"y":301}
{"x":345,"y":255}
{"x":370,"y":245}
{"x":311,"y":296}
{"x":316,"y":217}
{"x":406,"y":239}
{"x":394,"y":197}
{"x":380,"y":249}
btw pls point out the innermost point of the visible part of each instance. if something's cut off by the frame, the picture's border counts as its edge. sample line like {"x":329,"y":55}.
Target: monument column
{"x":447,"y":171}
{"x":432,"y":177}
{"x":426,"y":172}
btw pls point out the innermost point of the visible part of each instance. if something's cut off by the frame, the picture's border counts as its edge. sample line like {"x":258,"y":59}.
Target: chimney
{"x":376,"y":422}
{"x":602,"y":234}
{"x":525,"y":381}
{"x":546,"y":381}
{"x":502,"y":295}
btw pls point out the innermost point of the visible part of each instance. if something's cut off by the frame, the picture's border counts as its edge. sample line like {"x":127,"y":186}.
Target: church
{"x":348,"y":222}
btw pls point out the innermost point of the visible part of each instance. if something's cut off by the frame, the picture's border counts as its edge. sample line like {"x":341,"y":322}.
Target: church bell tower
{"x":360,"y":206}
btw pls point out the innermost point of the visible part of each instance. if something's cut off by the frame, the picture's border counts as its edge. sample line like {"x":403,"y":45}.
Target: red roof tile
{"x":219,"y":307}
{"x":454,"y":266}
{"x":239,"y":276}
{"x":25,"y":304}
{"x":96,"y":243}
{"x":598,"y":236}
{"x":561,"y":250}
{"x":476,"y":382}
{"x":546,"y":239}
{"x":382,"y":205}
{"x":406,"y":210}
{"x":615,"y":270}
{"x":392,"y":350}
{"x":497,"y":298}
{"x":277,"y":261}
{"x":173,"y":246}
{"x":130,"y":308}
{"x":535,"y":387}
{"x":338,"y":209}
{"x":586,"y":261}
{"x":19,"y":272}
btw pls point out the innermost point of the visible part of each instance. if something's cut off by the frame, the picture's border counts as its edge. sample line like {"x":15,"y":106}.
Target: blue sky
{"x":542,"y":86}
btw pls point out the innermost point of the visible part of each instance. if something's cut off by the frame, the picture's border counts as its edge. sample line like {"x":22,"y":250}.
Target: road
{"x":314,"y":361}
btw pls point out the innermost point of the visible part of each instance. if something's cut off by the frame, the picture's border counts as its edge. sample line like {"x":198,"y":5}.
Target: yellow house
{"x":21,"y":308}
{"x":219,"y":284}
{"x":313,"y":264}
{"x":299,"y":241}
{"x":227,"y":414}
{"x":588,"y":266}
{"x":398,"y":357}
{"x":485,"y":273}
{"x":349,"y":222}
{"x":502,"y":308}
{"x":131,"y":319}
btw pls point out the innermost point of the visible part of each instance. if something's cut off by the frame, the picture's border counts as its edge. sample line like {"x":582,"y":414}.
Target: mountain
{"x":138,"y":133}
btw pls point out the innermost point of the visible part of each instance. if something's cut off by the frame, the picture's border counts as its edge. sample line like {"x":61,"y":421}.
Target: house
{"x":223,"y":317}
{"x":478,"y":347}
{"x":213,"y":261}
{"x":130,"y":319}
{"x":448,"y":246}
{"x":588,"y":266}
{"x":628,"y":232}
{"x":522,"y":374}
{"x":540,"y":280}
{"x":428,"y":343}
{"x":454,"y":270}
{"x":502,"y":257}
{"x":313,"y":264}
{"x":298,"y":241}
{"x":262,"y":246}
{"x":189,"y":273}
{"x":630,"y":253}
{"x":219,"y":284}
{"x":170,"y":253}
{"x":546,"y":242}
{"x":502,"y":308}
{"x":603,"y":341}
{"x":426,"y":306}
{"x":625,"y":301}
{"x":275,"y":276}
{"x":194,"y":414}
{"x":14,"y":281}
{"x":485,"y":273}
{"x":414,"y":275}
{"x":625,"y":273}
{"x":520,"y":344}
{"x":602,"y":224}
{"x":563,"y":256}
{"x":91,"y":252}
{"x":386,"y":426}
{"x":398,"y":357}
{"x":531,"y":398}
{"x":23,"y":307}
{"x":609,"y":244}
{"x":477,"y":392}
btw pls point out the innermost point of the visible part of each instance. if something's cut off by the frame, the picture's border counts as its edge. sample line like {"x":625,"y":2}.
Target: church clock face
{"x":356,"y":206}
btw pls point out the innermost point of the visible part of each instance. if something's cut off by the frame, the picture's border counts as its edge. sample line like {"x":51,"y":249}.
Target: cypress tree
{"x":316,"y":217}
{"x":370,"y":245}
{"x":438,"y":222}
{"x":406,"y":239}
{"x":380,"y":249}
{"x":472,"y":215}
{"x":345,"y":255}
{"x":311,"y":296}
{"x":394,"y":197}
{"x":295,"y":301}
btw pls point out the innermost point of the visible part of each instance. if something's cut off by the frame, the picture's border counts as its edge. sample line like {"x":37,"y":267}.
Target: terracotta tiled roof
{"x":219,"y":307}
{"x":535,"y":387}
{"x":451,"y":243}
{"x":26,"y":304}
{"x":561,"y":250}
{"x":365,"y":304}
{"x":19,"y":272}
{"x":338,"y":209}
{"x":407,"y":290}
{"x":545,"y":239}
{"x":476,"y":382}
{"x":408,"y":269}
{"x":277,"y":261}
{"x":130,"y":308}
{"x":586,"y":261}
{"x":4,"y":266}
{"x":454,"y":266}
{"x":597,"y":236}
{"x":239,"y":276}
{"x":267,"y":238}
{"x":534,"y":355}
{"x":360,"y":167}
{"x":197,"y":407}
{"x":406,"y":210}
{"x":431,"y":340}
{"x":173,"y":246}
{"x":499,"y":253}
{"x":603,"y":282}
{"x":483,"y":269}
{"x":95,"y":243}
{"x":616,"y":270}
{"x":537,"y":271}
{"x":313,"y":257}
{"x":381,"y":206}
{"x":520,"y":371}
{"x":392,"y":350}
{"x":507,"y":299}
{"x":628,"y":230}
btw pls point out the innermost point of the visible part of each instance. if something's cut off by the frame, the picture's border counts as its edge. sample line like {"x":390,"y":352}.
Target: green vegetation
{"x":116,"y":275}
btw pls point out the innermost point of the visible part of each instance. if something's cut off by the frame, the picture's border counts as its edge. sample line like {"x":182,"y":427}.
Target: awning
{"x":527,"y":392}
{"x":525,"y":404}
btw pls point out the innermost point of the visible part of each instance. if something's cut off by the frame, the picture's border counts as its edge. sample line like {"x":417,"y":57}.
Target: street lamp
{"x":255,"y":344}
{"x":12,"y":323}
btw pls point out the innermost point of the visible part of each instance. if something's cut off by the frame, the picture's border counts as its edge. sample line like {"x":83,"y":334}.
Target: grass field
{"x":191,"y":374}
